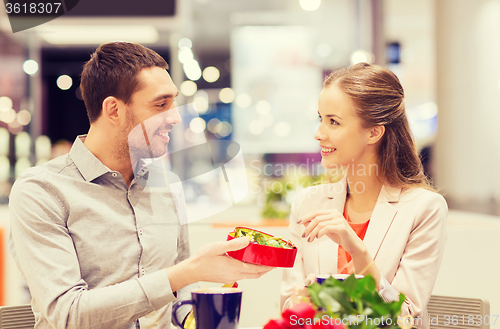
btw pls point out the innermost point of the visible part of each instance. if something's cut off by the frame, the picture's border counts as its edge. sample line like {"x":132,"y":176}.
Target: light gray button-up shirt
{"x":93,"y":250}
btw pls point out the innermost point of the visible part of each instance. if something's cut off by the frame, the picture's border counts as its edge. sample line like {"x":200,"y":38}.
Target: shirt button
{"x":114,"y":174}
{"x":143,"y":271}
{"x":128,"y":194}
{"x":140,"y":231}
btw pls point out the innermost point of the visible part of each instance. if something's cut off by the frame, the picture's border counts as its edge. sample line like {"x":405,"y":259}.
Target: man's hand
{"x":213,"y":265}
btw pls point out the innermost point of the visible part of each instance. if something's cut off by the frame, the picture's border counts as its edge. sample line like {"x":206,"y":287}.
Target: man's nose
{"x":173,"y":117}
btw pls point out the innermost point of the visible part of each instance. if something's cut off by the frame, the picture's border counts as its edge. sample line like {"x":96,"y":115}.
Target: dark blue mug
{"x":214,"y":308}
{"x":341,"y":277}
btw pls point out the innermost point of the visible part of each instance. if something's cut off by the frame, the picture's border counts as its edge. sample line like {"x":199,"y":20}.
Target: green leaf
{"x":350,"y":285}
{"x":352,"y":297}
{"x":329,"y":302}
{"x":341,"y":297}
{"x":314,"y":290}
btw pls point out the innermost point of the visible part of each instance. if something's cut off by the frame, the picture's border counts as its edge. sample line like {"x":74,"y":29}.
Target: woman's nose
{"x":318,"y":135}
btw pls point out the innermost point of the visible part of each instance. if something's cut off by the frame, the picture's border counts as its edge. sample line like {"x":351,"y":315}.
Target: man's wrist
{"x":182,"y":274}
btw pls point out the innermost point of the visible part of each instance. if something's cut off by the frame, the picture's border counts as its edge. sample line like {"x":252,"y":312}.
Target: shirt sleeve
{"x":42,"y":246}
{"x":183,"y":252}
{"x":421,"y":259}
{"x":296,"y":274}
{"x":386,"y":291}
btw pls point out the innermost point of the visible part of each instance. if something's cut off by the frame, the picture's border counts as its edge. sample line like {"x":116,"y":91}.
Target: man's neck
{"x":107,"y":149}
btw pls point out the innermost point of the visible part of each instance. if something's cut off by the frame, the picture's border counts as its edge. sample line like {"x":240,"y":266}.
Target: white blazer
{"x":405,"y":238}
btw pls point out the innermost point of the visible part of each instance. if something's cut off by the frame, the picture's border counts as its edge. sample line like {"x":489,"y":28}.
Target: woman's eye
{"x":320,"y":118}
{"x":161,"y":105}
{"x":333,"y":122}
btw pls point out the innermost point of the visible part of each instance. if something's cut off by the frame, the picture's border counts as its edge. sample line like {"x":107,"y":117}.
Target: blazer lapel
{"x":327,"y":249}
{"x":381,"y":219}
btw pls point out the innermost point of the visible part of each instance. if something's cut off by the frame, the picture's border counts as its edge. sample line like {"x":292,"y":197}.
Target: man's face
{"x":151,"y":114}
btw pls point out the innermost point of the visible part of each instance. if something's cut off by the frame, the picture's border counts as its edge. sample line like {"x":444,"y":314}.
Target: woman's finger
{"x":316,"y":213}
{"x":316,"y":230}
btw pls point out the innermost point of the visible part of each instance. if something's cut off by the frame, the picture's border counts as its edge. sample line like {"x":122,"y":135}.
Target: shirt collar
{"x":89,"y":166}
{"x":387,"y":193}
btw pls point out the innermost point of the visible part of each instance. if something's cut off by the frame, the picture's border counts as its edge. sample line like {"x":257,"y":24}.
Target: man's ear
{"x":376,"y":134}
{"x":111,"y":110}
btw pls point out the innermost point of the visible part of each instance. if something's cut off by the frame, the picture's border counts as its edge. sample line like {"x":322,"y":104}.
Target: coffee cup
{"x":341,"y":277}
{"x":214,"y":308}
{"x":322,"y":277}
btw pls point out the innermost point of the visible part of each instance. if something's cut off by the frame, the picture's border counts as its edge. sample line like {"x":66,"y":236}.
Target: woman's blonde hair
{"x":378,"y":99}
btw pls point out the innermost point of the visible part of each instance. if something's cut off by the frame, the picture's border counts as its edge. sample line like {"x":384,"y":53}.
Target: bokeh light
{"x":223,"y":129}
{"x":188,"y":88}
{"x":24,"y":117}
{"x":197,"y":125}
{"x":282,"y":129}
{"x":8,"y":116}
{"x":255,"y":127}
{"x":185,"y":43}
{"x":5,"y":103}
{"x":263,"y":107}
{"x":243,"y":100}
{"x":226,"y":95}
{"x":361,"y":56}
{"x":211,"y":74}
{"x":30,"y":67}
{"x":64,"y":82}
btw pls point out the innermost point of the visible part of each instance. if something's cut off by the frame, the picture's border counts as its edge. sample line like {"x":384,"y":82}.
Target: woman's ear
{"x":110,"y":110}
{"x":376,"y":134}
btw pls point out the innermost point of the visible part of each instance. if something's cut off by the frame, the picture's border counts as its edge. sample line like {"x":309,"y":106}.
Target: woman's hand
{"x":331,"y":223}
{"x":300,"y":294}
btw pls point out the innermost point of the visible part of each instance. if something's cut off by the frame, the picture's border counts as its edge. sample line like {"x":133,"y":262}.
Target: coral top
{"x":344,"y":263}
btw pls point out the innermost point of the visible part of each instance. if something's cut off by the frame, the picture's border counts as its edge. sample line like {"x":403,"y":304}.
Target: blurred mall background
{"x":254,"y":70}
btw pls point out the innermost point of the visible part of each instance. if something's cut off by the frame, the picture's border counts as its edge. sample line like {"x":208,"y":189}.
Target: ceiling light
{"x":310,"y":5}
{"x":98,"y":34}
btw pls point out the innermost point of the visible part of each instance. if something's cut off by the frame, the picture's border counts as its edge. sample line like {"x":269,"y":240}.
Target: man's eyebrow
{"x":161,"y":97}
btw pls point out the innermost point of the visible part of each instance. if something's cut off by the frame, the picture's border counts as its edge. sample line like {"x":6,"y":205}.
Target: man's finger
{"x":235,"y":244}
{"x":252,"y":268}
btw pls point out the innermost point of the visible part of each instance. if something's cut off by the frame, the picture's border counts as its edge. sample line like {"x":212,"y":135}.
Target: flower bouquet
{"x":351,"y":303}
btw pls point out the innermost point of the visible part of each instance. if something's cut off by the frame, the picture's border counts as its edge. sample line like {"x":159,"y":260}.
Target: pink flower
{"x":277,"y":324}
{"x":300,"y":311}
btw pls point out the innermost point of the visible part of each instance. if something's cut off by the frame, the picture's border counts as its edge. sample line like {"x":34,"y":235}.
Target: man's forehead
{"x":157,"y":81}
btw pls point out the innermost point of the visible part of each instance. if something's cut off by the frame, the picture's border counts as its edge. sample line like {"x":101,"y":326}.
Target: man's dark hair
{"x":112,"y":71}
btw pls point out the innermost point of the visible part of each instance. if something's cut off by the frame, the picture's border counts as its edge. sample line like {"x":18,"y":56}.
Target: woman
{"x":382,"y":218}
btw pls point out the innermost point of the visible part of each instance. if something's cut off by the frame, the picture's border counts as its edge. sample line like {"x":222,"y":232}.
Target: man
{"x":98,"y":247}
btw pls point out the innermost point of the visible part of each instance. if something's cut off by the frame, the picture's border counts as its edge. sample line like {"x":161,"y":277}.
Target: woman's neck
{"x":362,"y":197}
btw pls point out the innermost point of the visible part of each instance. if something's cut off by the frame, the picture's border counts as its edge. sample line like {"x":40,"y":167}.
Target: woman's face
{"x":343,"y":140}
